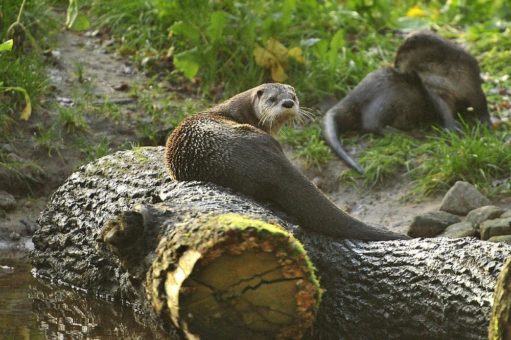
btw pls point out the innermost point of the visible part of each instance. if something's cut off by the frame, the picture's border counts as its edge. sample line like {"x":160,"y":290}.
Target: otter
{"x":432,"y":80}
{"x":451,"y":75}
{"x":231,"y":145}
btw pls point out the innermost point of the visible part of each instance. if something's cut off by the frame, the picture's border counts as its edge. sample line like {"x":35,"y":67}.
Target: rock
{"x":461,"y":229}
{"x":506,"y":214}
{"x":7,"y":201}
{"x":501,"y":238}
{"x":462,"y":198}
{"x":431,"y":223}
{"x":488,"y":212}
{"x":499,"y":226}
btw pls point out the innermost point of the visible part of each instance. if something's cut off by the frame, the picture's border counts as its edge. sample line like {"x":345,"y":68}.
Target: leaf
{"x":72,"y":13}
{"x":27,"y":110}
{"x":263,"y":57}
{"x":275,"y":56}
{"x":277,"y":73}
{"x":6,"y":45}
{"x":336,"y":43}
{"x":276,"y":48}
{"x":217,"y":24}
{"x":186,"y":30}
{"x":296,"y":54}
{"x":186,"y":62}
{"x":81,"y":23}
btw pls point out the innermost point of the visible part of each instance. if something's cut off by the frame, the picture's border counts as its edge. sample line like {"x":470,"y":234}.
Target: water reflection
{"x":32,"y":309}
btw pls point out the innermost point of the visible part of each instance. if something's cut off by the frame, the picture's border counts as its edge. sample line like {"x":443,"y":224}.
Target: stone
{"x":461,"y":229}
{"x":499,"y":226}
{"x":501,"y":238}
{"x":506,"y":214}
{"x":461,"y":198}
{"x":431,"y":223}
{"x":7,"y":201}
{"x":488,"y":212}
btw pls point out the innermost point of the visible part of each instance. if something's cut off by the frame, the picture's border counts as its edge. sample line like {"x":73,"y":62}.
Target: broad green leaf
{"x":72,"y":13}
{"x":6,"y":45}
{"x":186,"y":62}
{"x":81,"y":23}
{"x":187,"y":30}
{"x":219,"y":20}
{"x":336,"y":44}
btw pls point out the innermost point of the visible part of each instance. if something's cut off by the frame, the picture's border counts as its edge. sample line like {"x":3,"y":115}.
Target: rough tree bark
{"x":435,"y":288}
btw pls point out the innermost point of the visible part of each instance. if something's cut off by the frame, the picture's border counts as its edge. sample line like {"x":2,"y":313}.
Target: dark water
{"x":34,"y":309}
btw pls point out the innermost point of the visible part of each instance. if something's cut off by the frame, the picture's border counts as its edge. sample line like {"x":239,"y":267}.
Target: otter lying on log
{"x":115,"y":226}
{"x":230,"y":145}
{"x":432,"y":81}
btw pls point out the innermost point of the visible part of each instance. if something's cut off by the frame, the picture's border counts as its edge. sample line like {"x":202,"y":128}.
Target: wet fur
{"x":432,"y":81}
{"x":229,"y":146}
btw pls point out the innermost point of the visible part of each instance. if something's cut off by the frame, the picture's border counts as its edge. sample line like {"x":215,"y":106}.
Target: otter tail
{"x":332,"y":138}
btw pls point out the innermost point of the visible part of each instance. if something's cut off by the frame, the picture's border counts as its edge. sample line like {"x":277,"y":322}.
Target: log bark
{"x":433,"y":288}
{"x":500,"y":324}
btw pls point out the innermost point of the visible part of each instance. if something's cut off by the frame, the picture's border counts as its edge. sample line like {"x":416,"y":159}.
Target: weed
{"x":95,"y":150}
{"x":308,"y":144}
{"x":49,"y":139}
{"x":72,"y":119}
{"x":387,"y":157}
{"x":478,"y":156}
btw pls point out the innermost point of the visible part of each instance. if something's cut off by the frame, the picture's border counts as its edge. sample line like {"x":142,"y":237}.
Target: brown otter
{"x":433,"y":79}
{"x":451,"y":75}
{"x":230,"y":145}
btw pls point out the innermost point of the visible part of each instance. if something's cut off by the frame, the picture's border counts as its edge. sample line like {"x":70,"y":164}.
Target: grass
{"x":308,"y":144}
{"x":479,"y":155}
{"x":322,"y":48}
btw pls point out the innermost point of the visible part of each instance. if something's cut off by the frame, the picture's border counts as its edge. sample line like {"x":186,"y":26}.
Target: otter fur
{"x":432,"y":81}
{"x":231,"y":145}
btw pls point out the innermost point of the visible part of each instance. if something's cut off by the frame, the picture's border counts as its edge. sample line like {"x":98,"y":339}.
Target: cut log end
{"x":254,"y":281}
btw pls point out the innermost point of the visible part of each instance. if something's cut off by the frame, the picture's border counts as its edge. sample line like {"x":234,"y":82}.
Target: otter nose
{"x":288,"y":104}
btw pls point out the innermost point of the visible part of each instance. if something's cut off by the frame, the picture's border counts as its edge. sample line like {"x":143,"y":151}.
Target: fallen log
{"x":500,"y":324}
{"x":121,"y":229}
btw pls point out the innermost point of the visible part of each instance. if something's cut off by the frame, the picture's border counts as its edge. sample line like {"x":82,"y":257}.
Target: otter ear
{"x":260,"y":93}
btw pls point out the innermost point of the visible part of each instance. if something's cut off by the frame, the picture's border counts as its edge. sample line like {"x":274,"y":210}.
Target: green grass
{"x":308,"y":144}
{"x":208,"y":48}
{"x":479,"y":155}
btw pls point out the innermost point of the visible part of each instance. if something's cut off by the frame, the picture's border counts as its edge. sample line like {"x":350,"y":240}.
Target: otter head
{"x":274,"y":104}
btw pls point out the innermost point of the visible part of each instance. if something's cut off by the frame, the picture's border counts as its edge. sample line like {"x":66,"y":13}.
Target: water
{"x":34,"y":309}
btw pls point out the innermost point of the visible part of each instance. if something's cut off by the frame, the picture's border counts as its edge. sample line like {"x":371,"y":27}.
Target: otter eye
{"x":259,"y":93}
{"x":273,"y":99}
{"x":294,"y":97}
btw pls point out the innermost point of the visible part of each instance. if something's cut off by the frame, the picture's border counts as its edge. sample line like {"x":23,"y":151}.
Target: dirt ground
{"x":83,"y":58}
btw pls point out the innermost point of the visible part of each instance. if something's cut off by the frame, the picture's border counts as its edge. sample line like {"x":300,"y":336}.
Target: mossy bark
{"x":500,"y":324}
{"x":107,"y":229}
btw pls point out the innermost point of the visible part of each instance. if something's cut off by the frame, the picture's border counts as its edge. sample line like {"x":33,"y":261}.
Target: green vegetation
{"x":479,"y":155}
{"x":209,"y":50}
